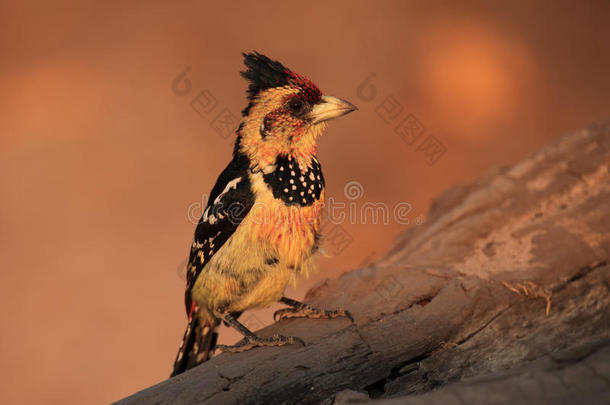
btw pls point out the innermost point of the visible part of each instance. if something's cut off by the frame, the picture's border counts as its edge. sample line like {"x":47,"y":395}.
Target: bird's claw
{"x":250,"y":342}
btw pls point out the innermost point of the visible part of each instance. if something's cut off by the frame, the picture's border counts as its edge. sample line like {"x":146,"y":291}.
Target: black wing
{"x":230,"y":201}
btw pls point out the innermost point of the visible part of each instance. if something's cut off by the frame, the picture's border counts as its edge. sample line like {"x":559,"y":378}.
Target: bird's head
{"x":285,"y":115}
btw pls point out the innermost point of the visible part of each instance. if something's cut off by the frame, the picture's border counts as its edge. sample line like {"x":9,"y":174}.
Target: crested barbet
{"x":260,"y":228}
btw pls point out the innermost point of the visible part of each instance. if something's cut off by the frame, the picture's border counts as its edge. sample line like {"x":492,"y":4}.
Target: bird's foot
{"x":250,"y":342}
{"x":307,"y":311}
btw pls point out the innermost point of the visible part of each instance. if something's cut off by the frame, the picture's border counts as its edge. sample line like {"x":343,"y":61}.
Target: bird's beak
{"x":330,"y":107}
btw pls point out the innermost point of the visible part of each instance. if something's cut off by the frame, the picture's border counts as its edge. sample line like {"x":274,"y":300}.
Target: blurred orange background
{"x":102,"y":164}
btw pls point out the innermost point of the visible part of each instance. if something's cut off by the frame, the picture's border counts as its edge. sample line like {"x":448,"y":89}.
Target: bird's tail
{"x":198,"y":342}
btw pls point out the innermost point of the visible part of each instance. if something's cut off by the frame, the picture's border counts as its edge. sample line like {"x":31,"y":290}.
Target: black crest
{"x":263,"y":73}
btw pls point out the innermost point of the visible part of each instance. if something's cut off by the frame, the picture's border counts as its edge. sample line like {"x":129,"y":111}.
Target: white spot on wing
{"x":230,"y":185}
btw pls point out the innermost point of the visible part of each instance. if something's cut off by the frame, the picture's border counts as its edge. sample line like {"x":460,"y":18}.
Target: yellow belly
{"x":272,"y":246}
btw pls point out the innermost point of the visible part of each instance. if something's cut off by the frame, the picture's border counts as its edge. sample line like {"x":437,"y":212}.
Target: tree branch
{"x":503,"y":273}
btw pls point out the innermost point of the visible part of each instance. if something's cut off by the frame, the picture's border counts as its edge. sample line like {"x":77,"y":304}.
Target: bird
{"x":260,"y":229}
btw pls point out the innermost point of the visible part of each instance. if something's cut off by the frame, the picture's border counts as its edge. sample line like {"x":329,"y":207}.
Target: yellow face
{"x":286,"y":121}
{"x":279,"y":123}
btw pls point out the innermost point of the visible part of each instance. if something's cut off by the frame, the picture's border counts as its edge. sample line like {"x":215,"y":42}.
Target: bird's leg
{"x":251,"y":340}
{"x":301,"y":310}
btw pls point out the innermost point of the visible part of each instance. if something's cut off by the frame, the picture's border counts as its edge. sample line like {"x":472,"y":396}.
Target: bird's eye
{"x":295,"y":106}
